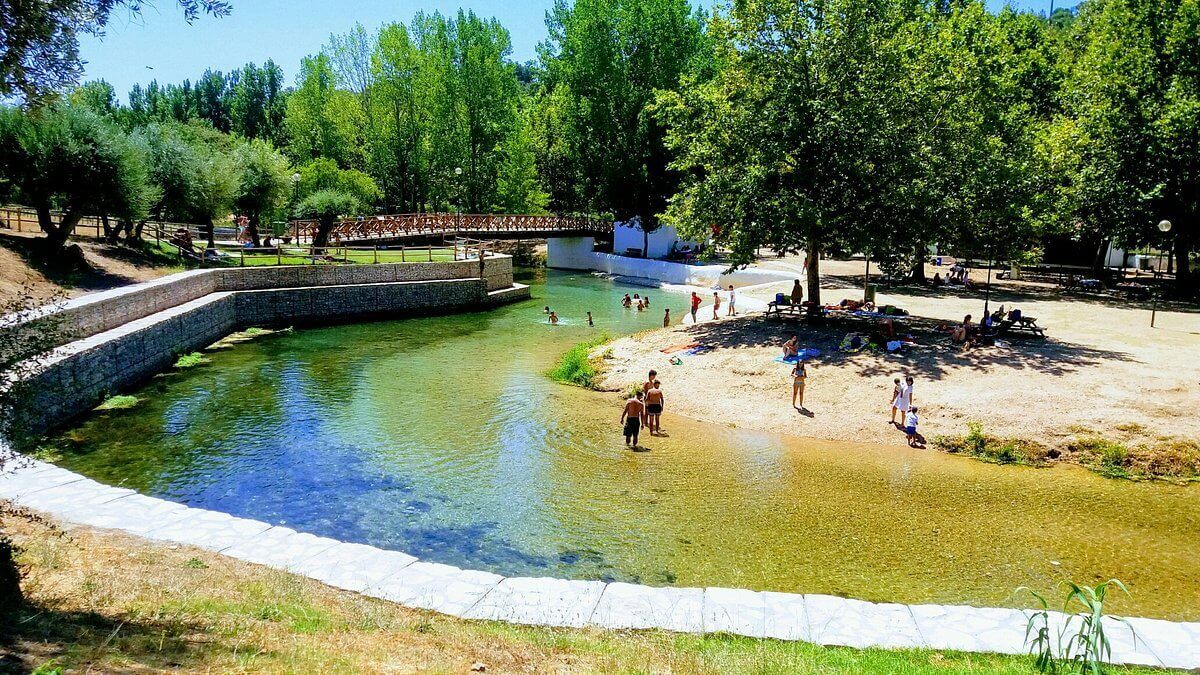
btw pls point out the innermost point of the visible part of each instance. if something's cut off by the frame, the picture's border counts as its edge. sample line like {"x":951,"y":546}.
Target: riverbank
{"x":100,"y":600}
{"x":1102,"y":374}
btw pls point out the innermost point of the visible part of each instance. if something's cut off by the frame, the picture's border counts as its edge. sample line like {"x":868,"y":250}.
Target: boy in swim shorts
{"x":654,"y":408}
{"x":631,"y":417}
{"x":910,"y":426}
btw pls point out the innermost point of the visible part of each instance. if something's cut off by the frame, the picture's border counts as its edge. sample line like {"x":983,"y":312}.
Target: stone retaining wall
{"x":98,"y":312}
{"x":134,"y":334}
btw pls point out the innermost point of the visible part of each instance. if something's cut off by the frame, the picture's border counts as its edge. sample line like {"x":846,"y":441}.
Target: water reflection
{"x":441,"y":437}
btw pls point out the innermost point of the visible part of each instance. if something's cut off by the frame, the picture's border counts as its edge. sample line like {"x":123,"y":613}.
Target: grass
{"x":296,"y":256}
{"x":577,"y":366}
{"x":1161,"y":458}
{"x":190,"y":360}
{"x":122,"y":402}
{"x":106,"y":602}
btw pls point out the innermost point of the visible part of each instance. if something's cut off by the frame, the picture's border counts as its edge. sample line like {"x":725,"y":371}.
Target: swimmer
{"x":590,"y":324}
{"x":553,"y":318}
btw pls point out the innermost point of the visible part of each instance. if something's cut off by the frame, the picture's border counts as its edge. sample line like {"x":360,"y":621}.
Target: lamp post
{"x":1164,"y":226}
{"x":295,"y":202}
{"x":458,"y":205}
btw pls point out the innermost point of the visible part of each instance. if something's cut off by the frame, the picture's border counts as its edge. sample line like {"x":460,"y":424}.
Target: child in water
{"x":553,"y":318}
{"x":590,"y":324}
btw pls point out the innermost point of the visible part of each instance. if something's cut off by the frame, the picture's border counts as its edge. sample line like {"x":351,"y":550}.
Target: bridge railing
{"x":422,"y":224}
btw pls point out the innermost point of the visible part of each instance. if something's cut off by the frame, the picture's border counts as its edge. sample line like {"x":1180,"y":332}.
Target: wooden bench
{"x":1025,"y":324}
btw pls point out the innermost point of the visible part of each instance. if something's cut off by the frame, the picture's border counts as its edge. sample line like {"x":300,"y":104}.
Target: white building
{"x":628,"y":235}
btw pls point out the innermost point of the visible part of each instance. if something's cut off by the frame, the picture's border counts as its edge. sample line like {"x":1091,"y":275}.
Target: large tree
{"x":263,"y":183}
{"x":39,"y":40}
{"x":602,"y":65}
{"x":69,"y":159}
{"x":1128,"y":144}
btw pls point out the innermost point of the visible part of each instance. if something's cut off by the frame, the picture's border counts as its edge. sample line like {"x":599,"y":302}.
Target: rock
{"x":478,"y":667}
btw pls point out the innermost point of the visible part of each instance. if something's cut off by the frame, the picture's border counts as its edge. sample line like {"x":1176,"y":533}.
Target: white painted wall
{"x":575,"y":253}
{"x":629,"y":235}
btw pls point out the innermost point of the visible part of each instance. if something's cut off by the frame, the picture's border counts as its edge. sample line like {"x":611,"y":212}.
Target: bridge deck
{"x":411,"y":225}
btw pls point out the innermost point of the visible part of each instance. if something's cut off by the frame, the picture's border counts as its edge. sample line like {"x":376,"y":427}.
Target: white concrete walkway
{"x":401,"y":578}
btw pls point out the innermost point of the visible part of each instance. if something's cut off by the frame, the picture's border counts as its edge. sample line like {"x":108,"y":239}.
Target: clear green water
{"x":441,"y":437}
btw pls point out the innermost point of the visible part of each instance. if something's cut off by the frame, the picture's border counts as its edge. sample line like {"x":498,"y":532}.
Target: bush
{"x":978,"y":444}
{"x":576,"y":366}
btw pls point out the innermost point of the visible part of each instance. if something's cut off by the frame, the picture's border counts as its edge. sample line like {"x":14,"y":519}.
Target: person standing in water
{"x":631,"y":418}
{"x":553,"y":318}
{"x":799,"y":375}
{"x":654,"y":408}
{"x":667,"y":318}
{"x":695,"y":306}
{"x":732,"y":301}
{"x":590,"y":322}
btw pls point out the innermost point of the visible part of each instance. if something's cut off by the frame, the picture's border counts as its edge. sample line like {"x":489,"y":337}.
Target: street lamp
{"x":458,"y":207}
{"x":1164,"y":226}
{"x":295,"y":200}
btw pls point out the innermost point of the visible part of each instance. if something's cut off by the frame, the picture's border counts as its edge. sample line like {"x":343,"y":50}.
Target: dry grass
{"x":109,"y":602}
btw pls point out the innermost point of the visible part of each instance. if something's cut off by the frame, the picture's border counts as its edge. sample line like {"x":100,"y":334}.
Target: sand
{"x":1101,"y":366}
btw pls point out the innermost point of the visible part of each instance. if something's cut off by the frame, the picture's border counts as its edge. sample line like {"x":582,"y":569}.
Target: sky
{"x":159,"y":44}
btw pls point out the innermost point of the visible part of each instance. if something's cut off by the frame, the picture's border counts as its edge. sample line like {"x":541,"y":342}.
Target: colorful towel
{"x":806,"y":353}
{"x":678,"y":348}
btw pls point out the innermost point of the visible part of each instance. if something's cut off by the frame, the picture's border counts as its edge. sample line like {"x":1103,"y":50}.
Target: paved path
{"x":469,"y":594}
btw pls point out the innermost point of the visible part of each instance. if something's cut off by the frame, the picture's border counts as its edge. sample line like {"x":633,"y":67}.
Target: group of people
{"x":902,"y":405}
{"x":643,"y":409}
{"x":731,"y":304}
{"x":637,"y":301}
{"x":967,"y":334}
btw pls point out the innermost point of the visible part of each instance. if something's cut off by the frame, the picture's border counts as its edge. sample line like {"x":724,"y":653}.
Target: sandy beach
{"x":1102,"y":368}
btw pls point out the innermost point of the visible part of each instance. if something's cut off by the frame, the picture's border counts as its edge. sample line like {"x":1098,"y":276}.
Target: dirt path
{"x":1102,"y":366}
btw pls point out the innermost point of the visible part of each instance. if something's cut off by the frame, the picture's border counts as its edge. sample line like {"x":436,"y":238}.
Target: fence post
{"x":401,"y":252}
{"x":376,"y":254}
{"x":242,"y":259}
{"x":278,"y":254}
{"x":431,"y":253}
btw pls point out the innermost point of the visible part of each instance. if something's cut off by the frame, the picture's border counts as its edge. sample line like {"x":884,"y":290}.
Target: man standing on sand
{"x":654,"y":408}
{"x":797,"y":292}
{"x":667,"y":318}
{"x":732,"y":300}
{"x":716,"y":305}
{"x":695,"y":306}
{"x":631,"y":418}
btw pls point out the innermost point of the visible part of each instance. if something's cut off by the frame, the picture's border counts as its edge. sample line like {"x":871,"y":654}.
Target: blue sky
{"x":160,"y":45}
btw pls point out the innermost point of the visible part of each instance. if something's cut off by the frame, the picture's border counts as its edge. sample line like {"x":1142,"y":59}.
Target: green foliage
{"x":69,"y":158}
{"x":1081,"y":645}
{"x":325,"y":206}
{"x":262,"y":185}
{"x":576,"y":366}
{"x":190,"y":360}
{"x":988,"y":448}
{"x":603,"y":63}
{"x":324,"y":174}
{"x":121,"y":402}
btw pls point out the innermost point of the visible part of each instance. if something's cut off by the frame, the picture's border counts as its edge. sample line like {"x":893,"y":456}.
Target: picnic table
{"x":780,"y":308}
{"x":1023,"y":324}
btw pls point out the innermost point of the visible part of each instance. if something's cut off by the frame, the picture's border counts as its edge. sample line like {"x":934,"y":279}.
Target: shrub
{"x":992,"y":449}
{"x":576,"y":366}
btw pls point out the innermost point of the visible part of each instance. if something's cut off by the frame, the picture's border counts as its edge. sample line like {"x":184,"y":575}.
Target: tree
{"x":325,"y":206}
{"x":608,"y":58}
{"x":39,"y":43}
{"x":324,"y":174}
{"x":68,"y":158}
{"x":263,"y":183}
{"x":196,"y":171}
{"x":1126,"y":146}
{"x":322,"y":120}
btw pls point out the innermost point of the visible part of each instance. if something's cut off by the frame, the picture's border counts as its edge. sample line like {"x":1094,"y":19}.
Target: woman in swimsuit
{"x":799,"y":375}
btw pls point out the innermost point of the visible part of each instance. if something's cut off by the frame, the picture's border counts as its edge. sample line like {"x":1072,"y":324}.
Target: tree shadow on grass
{"x":932,"y":357}
{"x":33,"y":636}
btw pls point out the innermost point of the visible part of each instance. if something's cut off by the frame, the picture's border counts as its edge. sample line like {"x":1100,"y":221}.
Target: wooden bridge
{"x":378,"y":229}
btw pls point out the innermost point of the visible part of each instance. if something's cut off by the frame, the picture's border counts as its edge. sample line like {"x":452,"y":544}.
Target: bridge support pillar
{"x":570,"y":253}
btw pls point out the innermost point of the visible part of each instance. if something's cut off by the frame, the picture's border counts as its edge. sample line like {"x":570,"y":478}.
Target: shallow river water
{"x":442,"y":437}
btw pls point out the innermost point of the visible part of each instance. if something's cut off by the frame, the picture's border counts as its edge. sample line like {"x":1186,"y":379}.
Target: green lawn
{"x":234,"y":257}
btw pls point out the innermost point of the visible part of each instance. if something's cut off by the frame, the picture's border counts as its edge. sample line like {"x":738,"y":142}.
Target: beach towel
{"x":678,"y":348}
{"x":806,"y":353}
{"x":698,"y":349}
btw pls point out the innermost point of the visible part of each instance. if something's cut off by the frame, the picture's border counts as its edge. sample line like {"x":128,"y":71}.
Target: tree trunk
{"x":918,"y":269}
{"x":210,"y":232}
{"x":1098,"y":261}
{"x":137,"y":229}
{"x":10,"y":576}
{"x":110,"y":234}
{"x":812,"y":258}
{"x":645,"y":243}
{"x":252,"y":230}
{"x":56,"y":235}
{"x":321,"y":239}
